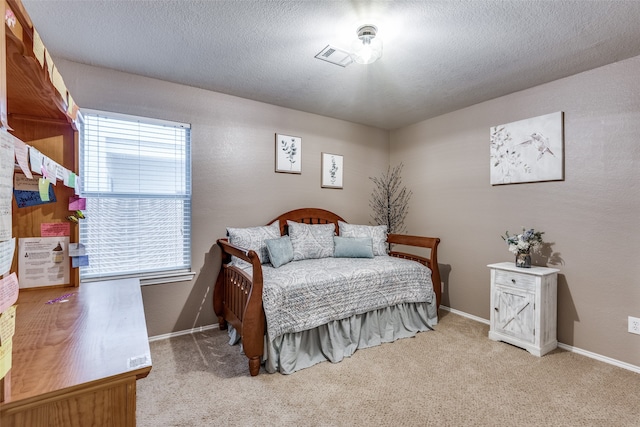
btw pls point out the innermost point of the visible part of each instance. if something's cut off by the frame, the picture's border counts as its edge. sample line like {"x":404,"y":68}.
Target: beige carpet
{"x":454,"y":376}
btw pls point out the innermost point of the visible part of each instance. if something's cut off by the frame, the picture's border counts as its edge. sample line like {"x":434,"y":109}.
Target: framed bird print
{"x":530,"y":150}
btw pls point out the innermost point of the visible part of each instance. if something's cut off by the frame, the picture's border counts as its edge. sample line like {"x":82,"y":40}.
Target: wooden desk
{"x":76,"y":363}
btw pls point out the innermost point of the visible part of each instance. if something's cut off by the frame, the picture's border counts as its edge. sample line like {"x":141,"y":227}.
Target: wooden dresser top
{"x":70,"y":337}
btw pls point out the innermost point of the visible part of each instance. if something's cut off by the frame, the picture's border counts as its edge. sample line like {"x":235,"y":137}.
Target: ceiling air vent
{"x":335,"y":56}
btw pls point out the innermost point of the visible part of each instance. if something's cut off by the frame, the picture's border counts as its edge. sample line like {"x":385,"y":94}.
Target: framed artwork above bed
{"x":529,"y":150}
{"x":288,"y":154}
{"x":332,"y":167}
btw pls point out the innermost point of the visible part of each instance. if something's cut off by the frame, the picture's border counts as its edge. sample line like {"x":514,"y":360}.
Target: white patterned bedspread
{"x":308,"y":293}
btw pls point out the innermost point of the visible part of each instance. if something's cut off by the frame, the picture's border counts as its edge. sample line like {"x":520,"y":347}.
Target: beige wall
{"x":234,"y":183}
{"x":590,"y":218}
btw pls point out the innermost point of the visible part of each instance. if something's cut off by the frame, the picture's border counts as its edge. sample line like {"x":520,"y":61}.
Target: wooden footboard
{"x":237,"y":297}
{"x":430,"y":243}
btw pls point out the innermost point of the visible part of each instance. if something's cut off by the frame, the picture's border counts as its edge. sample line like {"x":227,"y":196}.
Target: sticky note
{"x":43,"y":185}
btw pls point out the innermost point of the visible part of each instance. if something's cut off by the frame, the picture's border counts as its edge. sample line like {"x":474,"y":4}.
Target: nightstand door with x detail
{"x":523,"y":307}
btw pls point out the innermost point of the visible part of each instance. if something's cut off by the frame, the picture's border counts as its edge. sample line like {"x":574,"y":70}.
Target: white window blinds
{"x":136,"y":178}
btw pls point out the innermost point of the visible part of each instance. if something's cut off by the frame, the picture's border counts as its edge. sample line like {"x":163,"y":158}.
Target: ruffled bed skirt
{"x":338,"y":339}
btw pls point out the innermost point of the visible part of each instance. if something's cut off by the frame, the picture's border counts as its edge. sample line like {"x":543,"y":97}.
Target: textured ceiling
{"x":438,"y":56}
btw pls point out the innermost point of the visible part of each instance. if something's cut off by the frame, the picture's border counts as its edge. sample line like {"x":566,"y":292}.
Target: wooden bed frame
{"x":237,"y":298}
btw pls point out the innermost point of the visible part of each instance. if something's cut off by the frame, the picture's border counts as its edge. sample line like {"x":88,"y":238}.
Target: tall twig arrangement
{"x":390,"y":200}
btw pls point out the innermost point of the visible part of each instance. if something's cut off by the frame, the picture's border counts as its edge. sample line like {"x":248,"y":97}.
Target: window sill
{"x":155,"y":279}
{"x":167,"y":278}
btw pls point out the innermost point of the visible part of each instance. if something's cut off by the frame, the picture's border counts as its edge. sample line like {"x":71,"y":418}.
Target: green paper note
{"x":43,"y":186}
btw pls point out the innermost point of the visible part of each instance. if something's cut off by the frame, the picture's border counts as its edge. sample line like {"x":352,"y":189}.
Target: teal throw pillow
{"x":353,"y":247}
{"x":280,"y":251}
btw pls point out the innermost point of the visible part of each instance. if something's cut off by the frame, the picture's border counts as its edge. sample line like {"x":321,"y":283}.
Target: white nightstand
{"x":524,"y":306}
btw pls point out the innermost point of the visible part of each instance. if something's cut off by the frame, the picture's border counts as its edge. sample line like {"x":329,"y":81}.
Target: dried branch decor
{"x":390,"y":200}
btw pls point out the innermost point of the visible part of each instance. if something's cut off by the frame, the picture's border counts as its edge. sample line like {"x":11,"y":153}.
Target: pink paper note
{"x":54,"y":229}
{"x":8,"y":291}
{"x":77,"y":203}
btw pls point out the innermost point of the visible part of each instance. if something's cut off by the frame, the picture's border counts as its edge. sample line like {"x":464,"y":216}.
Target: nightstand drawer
{"x":522,"y":281}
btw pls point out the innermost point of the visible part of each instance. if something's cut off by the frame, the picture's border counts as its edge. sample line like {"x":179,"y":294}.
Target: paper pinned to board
{"x":78,"y":254}
{"x":51,"y":167}
{"x":27,"y":191}
{"x":6,"y":183}
{"x":22,"y":156}
{"x":58,"y":83}
{"x":43,"y":186}
{"x":77,"y":203}
{"x":5,"y":358}
{"x":9,"y":288}
{"x":7,"y":324}
{"x":36,"y":159}
{"x":7,"y":249}
{"x":43,"y":261}
{"x":38,"y":48}
{"x":77,"y":249}
{"x":55,"y":229}
{"x":72,"y":109}
{"x":80,"y":261}
{"x":61,"y":173}
{"x":49,"y":62}
{"x":32,"y":198}
{"x":24,"y":183}
{"x":70,"y":180}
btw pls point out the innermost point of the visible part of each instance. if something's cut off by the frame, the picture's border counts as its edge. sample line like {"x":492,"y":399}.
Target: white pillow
{"x":311,"y":241}
{"x":253,"y":238}
{"x":378,"y":234}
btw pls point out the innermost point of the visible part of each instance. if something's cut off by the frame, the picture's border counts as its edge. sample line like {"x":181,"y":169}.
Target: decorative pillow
{"x":378,"y":234}
{"x":311,"y":240}
{"x":253,"y":238}
{"x":280,"y":251}
{"x":353,"y":247}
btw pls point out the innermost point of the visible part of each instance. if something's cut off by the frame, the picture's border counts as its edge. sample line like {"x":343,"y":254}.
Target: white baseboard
{"x":600,"y":357}
{"x":563,"y":346}
{"x":185,"y":332}
{"x":463,"y":314}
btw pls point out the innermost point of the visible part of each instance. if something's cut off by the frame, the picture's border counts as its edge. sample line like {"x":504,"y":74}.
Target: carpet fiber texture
{"x":453,"y":376}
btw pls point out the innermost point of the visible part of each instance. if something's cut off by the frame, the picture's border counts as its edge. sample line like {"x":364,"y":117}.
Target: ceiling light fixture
{"x":367,"y":48}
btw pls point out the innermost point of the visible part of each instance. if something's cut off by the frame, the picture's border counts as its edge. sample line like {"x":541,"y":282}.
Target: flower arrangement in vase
{"x":521,"y":245}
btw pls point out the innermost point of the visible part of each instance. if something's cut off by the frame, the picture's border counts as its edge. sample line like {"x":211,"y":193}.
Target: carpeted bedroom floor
{"x":453,"y":376}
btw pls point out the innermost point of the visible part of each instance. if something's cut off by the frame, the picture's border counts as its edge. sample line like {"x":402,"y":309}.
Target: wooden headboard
{"x":323,"y":216}
{"x":307,"y":216}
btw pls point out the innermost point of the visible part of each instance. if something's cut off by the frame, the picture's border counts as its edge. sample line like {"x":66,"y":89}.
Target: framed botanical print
{"x":288,"y":154}
{"x":332,"y":168}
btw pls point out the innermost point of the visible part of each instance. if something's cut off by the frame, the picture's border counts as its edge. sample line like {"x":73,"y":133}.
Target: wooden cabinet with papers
{"x":36,"y":107}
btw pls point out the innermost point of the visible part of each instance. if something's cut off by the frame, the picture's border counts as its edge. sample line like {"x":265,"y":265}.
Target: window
{"x":136,"y":178}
